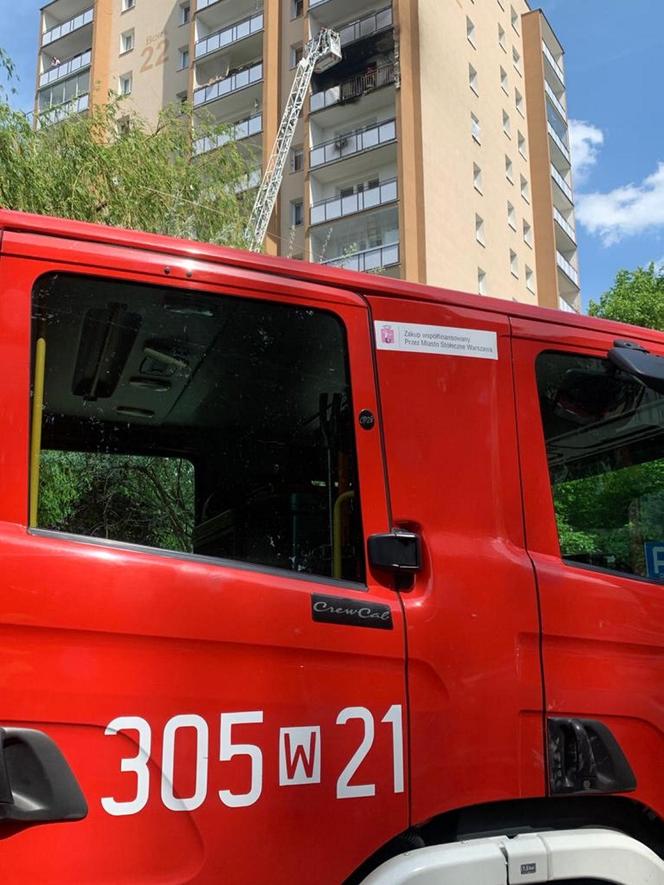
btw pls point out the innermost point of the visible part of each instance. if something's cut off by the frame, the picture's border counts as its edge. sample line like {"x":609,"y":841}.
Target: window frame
{"x":107,"y":262}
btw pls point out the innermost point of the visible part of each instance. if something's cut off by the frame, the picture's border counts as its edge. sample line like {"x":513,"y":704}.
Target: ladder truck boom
{"x":321,"y":53}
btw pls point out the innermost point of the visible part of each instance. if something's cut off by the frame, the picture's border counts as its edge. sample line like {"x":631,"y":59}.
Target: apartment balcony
{"x":553,"y":71}
{"x":555,"y":101}
{"x":563,"y":199}
{"x":243,"y":131}
{"x":58,"y":113}
{"x":565,"y":232}
{"x":248,"y":31}
{"x":380,"y":258}
{"x":568,"y":269}
{"x":367,"y":26}
{"x":60,"y":72}
{"x":567,"y":307}
{"x":332,"y":12}
{"x":220,"y":14}
{"x":361,"y":150}
{"x":329,"y":104}
{"x":228,"y":97}
{"x":67,"y":28}
{"x":334,"y":208}
{"x":560,"y":152}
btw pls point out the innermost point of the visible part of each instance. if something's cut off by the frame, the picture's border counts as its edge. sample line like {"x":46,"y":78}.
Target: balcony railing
{"x":238,"y":80}
{"x":66,"y":68}
{"x":562,"y":184}
{"x":366,"y":27}
{"x":243,"y":129}
{"x":565,"y":225}
{"x":354,"y":142}
{"x":353,"y":88}
{"x":368,"y":259}
{"x":58,"y":113}
{"x":79,"y":21}
{"x":554,"y":64}
{"x":339,"y":207}
{"x":203,"y":4}
{"x":555,"y":101}
{"x":227,"y":36}
{"x":559,"y":142}
{"x":567,"y":268}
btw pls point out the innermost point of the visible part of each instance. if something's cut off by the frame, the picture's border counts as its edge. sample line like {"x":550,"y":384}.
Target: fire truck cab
{"x":313,"y":576}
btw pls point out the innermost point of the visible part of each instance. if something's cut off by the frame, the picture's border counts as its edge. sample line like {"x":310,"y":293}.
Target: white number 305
{"x":298,"y":762}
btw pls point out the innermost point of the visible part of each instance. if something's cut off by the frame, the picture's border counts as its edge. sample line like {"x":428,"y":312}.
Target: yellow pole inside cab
{"x":337,"y":562}
{"x":35,"y":440}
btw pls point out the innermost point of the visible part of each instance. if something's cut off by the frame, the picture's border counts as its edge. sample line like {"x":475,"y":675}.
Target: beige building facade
{"x":436,"y":150}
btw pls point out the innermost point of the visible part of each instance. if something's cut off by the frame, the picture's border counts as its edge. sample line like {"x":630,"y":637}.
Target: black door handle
{"x":36,"y":782}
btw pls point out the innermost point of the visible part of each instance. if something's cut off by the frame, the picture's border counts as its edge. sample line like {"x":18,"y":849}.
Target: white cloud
{"x":585,"y":142}
{"x":624,"y":211}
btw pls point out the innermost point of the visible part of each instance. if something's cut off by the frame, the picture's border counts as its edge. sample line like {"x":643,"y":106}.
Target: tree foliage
{"x":112,"y":167}
{"x":637,"y":297}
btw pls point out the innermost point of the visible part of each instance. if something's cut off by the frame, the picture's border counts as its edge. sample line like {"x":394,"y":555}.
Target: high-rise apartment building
{"x":437,"y":149}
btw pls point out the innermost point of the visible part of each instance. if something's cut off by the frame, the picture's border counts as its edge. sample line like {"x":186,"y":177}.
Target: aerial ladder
{"x":320,"y":54}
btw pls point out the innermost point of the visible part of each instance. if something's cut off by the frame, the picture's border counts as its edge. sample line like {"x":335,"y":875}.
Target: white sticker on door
{"x":441,"y":340}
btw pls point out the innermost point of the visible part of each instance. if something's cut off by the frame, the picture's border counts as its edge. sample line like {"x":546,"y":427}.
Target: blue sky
{"x":613,"y":51}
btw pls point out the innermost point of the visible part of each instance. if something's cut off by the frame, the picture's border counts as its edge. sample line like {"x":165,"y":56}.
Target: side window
{"x":605,"y":444}
{"x":194,"y":423}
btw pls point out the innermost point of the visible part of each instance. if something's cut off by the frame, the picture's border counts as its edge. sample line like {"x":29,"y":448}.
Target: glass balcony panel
{"x":233,"y":83}
{"x":349,"y":143}
{"x":368,"y":259}
{"x":226,"y":37}
{"x":79,"y":21}
{"x":366,"y":27}
{"x":58,"y":72}
{"x":238,"y":132}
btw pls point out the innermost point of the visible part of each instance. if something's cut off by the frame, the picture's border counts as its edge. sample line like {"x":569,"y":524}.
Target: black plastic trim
{"x":584,"y":757}
{"x":195,"y":557}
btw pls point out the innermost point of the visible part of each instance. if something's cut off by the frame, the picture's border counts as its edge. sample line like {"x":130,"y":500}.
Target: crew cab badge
{"x":351,"y":612}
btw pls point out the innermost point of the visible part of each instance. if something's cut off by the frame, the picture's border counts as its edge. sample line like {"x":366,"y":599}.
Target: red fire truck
{"x":312,"y":576}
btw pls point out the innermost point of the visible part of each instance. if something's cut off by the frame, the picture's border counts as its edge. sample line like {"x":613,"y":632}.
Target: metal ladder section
{"x":323,"y":51}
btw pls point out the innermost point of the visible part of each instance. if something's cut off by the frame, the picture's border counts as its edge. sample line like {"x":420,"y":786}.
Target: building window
{"x":516,"y":58}
{"x":297,"y":159}
{"x":128,"y":4}
{"x":511,"y":216}
{"x":502,"y":41}
{"x":297,"y":8}
{"x":530,"y":280}
{"x":185,"y":13}
{"x":296,"y":53}
{"x":194,"y":486}
{"x":514,"y":263}
{"x":481,"y":281}
{"x":507,"y":126}
{"x":514,"y":17}
{"x":126,"y":83}
{"x":525,"y":189}
{"x":472,"y":79}
{"x":518,"y":101}
{"x":297,"y":213}
{"x":521,"y":142}
{"x":479,"y":230}
{"x":182,"y":97}
{"x":470,"y":32}
{"x":475,"y":128}
{"x":126,"y":41}
{"x":509,"y":170}
{"x":527,"y":234}
{"x":504,"y":83}
{"x":183,"y":58}
{"x":477,"y":178}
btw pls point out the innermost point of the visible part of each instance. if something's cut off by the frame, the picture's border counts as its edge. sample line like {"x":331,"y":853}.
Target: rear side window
{"x":605,"y":444}
{"x":200,"y":424}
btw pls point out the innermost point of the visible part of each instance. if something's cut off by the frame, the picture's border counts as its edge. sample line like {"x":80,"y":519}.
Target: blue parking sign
{"x":655,"y":559}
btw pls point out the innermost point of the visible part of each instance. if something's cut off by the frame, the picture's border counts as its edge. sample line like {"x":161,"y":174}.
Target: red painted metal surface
{"x":92,"y":632}
{"x":603,"y":637}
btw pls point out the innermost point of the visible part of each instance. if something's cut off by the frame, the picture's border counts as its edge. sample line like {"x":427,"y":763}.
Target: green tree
{"x":637,"y":297}
{"x":112,"y":167}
